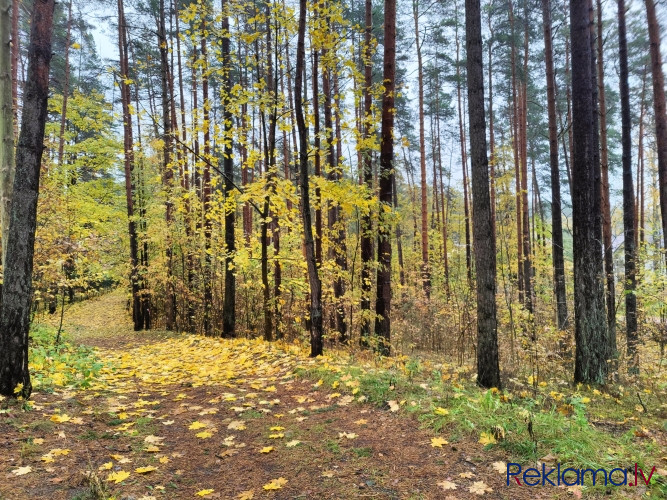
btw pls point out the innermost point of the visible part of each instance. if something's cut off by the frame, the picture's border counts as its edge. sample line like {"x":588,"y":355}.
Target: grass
{"x":545,"y":421}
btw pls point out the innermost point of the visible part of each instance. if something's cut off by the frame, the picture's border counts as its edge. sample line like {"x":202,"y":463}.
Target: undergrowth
{"x":547,"y":423}
{"x":62,"y":365}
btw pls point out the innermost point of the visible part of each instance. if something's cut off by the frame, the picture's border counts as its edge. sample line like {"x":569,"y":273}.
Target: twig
{"x":642,"y":403}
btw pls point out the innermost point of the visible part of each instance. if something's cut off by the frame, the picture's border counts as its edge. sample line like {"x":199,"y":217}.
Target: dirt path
{"x":194,"y":415}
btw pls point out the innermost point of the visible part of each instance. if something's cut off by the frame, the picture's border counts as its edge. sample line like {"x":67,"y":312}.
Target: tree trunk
{"x":6,"y":123}
{"x":426,"y":274}
{"x":316,"y":344}
{"x":659,"y":110}
{"x":629,"y":215}
{"x":167,"y":170}
{"x":229,"y":305}
{"x":604,"y":169}
{"x":592,"y":346}
{"x":556,"y":209}
{"x":367,"y":178}
{"x":488,"y":371}
{"x":206,"y":191}
{"x":464,"y":163}
{"x":386,"y":174}
{"x":525,"y":223}
{"x":318,"y":165}
{"x":17,"y":288}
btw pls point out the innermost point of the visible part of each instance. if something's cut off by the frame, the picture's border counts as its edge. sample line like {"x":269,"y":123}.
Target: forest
{"x":434,"y":217}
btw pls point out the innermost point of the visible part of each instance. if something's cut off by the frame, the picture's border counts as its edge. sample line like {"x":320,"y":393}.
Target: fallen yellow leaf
{"x":118,"y":477}
{"x":275,"y":484}
{"x":437,"y":442}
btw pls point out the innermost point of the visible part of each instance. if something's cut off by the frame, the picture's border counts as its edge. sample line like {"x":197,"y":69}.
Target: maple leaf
{"x":106,"y":466}
{"x":153,"y":440}
{"x":266,"y":449}
{"x":38,"y":441}
{"x":196,"y":425}
{"x":277,"y":428}
{"x":246,"y":495}
{"x":348,"y":435}
{"x":441,"y":411}
{"x":118,"y":477}
{"x":203,"y":435}
{"x":447,"y":485}
{"x":500,"y":467}
{"x":76,"y":421}
{"x":466,"y":475}
{"x":22,"y":470}
{"x":328,"y":473}
{"x":393,"y":406}
{"x":437,"y":442}
{"x":48,"y":458}
{"x":236,"y":425}
{"x":145,"y":470}
{"x":164,"y":460}
{"x":292,"y":443}
{"x":277,"y":435}
{"x":275,"y":484}
{"x":151,"y":449}
{"x":59,"y":451}
{"x":203,"y":493}
{"x":479,"y":488}
{"x":59,"y":418}
{"x":361,"y":421}
{"x":486,"y":438}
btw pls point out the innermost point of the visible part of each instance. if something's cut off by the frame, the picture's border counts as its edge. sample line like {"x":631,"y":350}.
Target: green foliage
{"x":63,"y":365}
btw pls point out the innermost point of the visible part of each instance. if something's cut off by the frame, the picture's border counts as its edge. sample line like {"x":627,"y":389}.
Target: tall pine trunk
{"x":6,"y":122}
{"x":592,"y":346}
{"x":659,"y":110}
{"x":629,"y":214}
{"x":556,"y":209}
{"x":386,"y":174}
{"x":488,"y":371}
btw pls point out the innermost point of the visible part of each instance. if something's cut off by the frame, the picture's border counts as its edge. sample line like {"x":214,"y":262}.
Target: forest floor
{"x":160,"y":415}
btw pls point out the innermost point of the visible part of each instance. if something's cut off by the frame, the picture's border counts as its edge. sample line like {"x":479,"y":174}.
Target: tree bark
{"x":386,"y":174}
{"x":556,"y":207}
{"x":592,"y":346}
{"x":488,"y":371}
{"x":229,"y":305}
{"x":659,"y":110}
{"x":367,"y":179}
{"x":629,"y":214}
{"x":316,"y":344}
{"x":604,"y":169}
{"x":17,"y":287}
{"x":6,"y":123}
{"x":426,"y":274}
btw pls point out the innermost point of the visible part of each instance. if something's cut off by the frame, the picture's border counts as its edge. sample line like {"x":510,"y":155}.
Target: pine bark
{"x":659,"y":110}
{"x":17,"y":286}
{"x":592,"y":346}
{"x":386,"y":174}
{"x":556,"y":207}
{"x":604,"y":169}
{"x":488,"y":371}
{"x":629,"y":214}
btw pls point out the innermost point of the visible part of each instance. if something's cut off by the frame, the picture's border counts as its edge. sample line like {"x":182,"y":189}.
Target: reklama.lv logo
{"x":572,"y":477}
